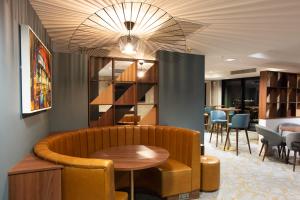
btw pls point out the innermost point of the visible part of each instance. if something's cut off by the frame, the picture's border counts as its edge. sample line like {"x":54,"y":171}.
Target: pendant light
{"x":129,"y":44}
{"x":141,"y":71}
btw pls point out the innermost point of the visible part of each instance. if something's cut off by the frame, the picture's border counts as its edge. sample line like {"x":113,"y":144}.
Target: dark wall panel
{"x":17,"y":134}
{"x":70,"y":92}
{"x":181,"y":90}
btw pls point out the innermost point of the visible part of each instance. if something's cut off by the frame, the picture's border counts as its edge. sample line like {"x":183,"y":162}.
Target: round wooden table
{"x":133,"y":157}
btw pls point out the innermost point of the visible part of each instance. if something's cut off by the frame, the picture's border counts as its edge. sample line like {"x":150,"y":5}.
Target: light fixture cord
{"x":129,"y":29}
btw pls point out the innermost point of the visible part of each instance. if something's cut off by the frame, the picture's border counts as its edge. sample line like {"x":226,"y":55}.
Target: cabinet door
{"x":45,"y":185}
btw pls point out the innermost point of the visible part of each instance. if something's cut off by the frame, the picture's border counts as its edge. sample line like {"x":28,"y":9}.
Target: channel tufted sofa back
{"x":73,"y":148}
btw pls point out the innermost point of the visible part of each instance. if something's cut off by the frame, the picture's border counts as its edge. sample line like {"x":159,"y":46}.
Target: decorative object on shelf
{"x":141,"y":70}
{"x":132,"y":27}
{"x":36,"y":73}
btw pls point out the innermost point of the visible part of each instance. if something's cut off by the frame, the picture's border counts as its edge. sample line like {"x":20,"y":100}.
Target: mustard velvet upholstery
{"x":94,"y":178}
{"x":210,"y":173}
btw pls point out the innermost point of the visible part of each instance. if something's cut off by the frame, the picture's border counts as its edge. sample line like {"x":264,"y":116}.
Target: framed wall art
{"x":36,"y":73}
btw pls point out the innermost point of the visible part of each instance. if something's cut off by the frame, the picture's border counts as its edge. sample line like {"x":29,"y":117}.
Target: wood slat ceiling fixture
{"x":154,"y":28}
{"x":100,"y":32}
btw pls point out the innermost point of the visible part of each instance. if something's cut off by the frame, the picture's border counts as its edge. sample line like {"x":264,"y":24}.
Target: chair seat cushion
{"x":168,"y":179}
{"x":121,"y":196}
{"x":176,"y":177}
{"x":219,"y":121}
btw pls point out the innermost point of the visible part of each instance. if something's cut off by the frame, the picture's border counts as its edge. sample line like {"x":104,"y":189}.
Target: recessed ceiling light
{"x":258,"y":55}
{"x":230,"y":59}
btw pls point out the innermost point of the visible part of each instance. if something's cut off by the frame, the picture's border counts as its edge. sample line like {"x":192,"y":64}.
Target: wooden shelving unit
{"x":279,"y":95}
{"x":118,"y":96}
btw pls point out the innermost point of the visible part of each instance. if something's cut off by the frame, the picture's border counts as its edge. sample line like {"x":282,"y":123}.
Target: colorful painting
{"x":36,"y":73}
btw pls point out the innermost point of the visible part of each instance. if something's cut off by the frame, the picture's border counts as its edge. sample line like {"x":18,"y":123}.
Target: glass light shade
{"x":129,"y":44}
{"x":141,"y":73}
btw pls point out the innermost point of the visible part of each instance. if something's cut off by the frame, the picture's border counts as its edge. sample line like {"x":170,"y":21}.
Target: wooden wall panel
{"x":263,"y":95}
{"x":105,"y":97}
{"x":107,"y":118}
{"x":129,"y":97}
{"x":150,"y":75}
{"x":150,"y":118}
{"x":128,"y":75}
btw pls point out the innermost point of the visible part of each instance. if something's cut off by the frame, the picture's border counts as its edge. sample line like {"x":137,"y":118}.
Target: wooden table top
{"x":133,"y":157}
{"x":228,"y":109}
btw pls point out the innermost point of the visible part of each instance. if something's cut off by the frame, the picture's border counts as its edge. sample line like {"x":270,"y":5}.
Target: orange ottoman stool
{"x":210,"y":173}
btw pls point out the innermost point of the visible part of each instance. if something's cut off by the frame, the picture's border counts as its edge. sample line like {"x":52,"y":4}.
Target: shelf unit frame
{"x":135,"y":83}
{"x":279,"y":95}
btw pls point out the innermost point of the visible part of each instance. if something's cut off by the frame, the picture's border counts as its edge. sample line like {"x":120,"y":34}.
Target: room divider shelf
{"x":117,"y":95}
{"x":279,"y":95}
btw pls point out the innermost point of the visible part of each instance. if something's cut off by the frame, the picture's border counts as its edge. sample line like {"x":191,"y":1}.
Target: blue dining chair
{"x":207,"y":110}
{"x":238,"y":122}
{"x":230,"y":114}
{"x":218,"y":120}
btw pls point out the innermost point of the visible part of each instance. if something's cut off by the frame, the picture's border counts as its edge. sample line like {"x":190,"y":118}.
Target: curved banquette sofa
{"x":91,"y":179}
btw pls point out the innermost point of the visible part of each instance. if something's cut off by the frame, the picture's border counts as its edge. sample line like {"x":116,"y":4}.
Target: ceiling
{"x":262,"y":34}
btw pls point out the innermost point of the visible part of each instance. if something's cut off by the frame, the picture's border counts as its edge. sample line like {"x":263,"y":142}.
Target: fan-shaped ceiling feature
{"x":237,"y":29}
{"x":153,"y":27}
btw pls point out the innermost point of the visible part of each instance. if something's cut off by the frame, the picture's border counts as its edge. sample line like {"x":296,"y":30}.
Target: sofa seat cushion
{"x":176,"y":177}
{"x":168,"y":179}
{"x":121,"y":196}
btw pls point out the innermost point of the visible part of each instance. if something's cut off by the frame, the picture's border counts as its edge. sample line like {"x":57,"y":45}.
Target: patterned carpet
{"x":246,"y":177}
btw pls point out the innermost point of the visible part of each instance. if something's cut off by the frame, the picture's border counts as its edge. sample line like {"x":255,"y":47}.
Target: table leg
{"x":132,"y":184}
{"x":227,"y":129}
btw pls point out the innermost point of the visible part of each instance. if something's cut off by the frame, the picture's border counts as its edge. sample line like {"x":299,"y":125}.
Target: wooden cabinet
{"x":35,"y":179}
{"x":279,"y":95}
{"x":122,"y":91}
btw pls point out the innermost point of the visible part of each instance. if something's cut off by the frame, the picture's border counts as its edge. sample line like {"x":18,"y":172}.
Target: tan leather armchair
{"x":86,"y":178}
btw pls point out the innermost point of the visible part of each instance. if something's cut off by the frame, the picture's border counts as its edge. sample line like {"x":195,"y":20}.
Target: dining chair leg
{"x":211,"y":130}
{"x":283,"y":153}
{"x":295,"y":158}
{"x":221,"y":133}
{"x":217,"y":135}
{"x":266,"y":150}
{"x":227,"y":138}
{"x":287,"y":157}
{"x":237,"y":141}
{"x":248,"y":140}
{"x":262,"y":147}
{"x":278,"y":151}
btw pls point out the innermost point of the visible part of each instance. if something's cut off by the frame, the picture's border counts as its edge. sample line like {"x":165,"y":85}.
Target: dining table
{"x":133,"y":157}
{"x":227,"y":111}
{"x":290,"y":128}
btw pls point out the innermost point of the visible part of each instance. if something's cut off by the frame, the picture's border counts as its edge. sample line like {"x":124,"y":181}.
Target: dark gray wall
{"x":70,"y":92}
{"x":17,"y":135}
{"x":181,"y":90}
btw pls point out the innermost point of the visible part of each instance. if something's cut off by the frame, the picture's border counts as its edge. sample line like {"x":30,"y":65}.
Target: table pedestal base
{"x":132,"y":185}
